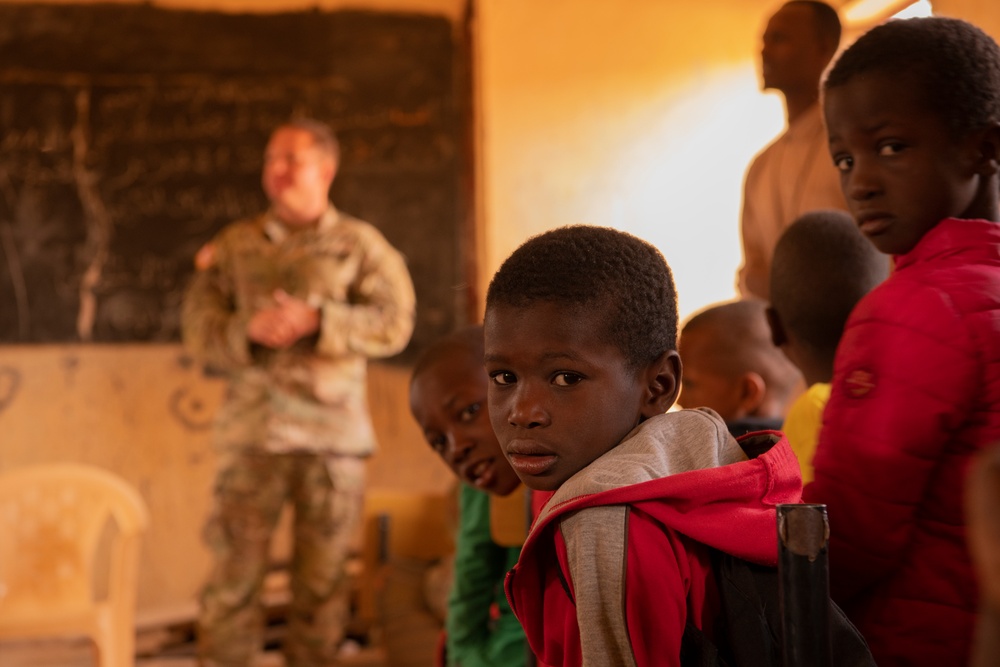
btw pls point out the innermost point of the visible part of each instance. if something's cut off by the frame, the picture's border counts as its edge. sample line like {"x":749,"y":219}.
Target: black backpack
{"x":748,"y":628}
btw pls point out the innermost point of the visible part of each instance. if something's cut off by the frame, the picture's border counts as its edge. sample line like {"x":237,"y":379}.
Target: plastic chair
{"x":52,"y":521}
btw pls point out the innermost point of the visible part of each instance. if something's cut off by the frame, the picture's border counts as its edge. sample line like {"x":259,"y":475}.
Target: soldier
{"x":289,"y":305}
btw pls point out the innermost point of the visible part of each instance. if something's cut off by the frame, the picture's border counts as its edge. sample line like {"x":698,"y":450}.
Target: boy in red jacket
{"x":913,"y":116}
{"x":581,"y":328}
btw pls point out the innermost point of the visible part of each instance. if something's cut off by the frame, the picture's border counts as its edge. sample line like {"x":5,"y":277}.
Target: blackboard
{"x":130,"y":134}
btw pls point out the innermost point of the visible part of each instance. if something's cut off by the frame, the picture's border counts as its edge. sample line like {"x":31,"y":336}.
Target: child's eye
{"x":843,"y":162}
{"x":890,"y":148}
{"x":437,"y":443}
{"x":468,"y":413}
{"x":503,"y":378}
{"x":566,"y":379}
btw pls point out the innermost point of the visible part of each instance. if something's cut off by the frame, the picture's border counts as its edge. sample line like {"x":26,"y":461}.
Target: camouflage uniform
{"x":295,"y":425}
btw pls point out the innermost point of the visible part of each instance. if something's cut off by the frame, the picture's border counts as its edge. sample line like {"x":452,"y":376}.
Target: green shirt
{"x":474,"y":638}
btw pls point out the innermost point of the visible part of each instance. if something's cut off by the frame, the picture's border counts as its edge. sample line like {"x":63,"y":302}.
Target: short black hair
{"x":625,"y":280}
{"x":322,"y":134}
{"x":827,"y":20}
{"x":955,"y":65}
{"x":822,"y":266}
{"x":466,"y":340}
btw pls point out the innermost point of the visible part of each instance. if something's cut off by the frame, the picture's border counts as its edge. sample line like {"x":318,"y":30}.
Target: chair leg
{"x":115,"y":644}
{"x":96,"y":652}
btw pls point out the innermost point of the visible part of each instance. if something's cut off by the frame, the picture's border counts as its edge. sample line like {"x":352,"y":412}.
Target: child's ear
{"x":663,"y":383}
{"x":987,"y":149}
{"x":752,"y":390}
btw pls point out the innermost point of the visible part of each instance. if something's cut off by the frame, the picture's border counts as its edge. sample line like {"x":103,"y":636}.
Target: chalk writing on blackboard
{"x":120,"y":157}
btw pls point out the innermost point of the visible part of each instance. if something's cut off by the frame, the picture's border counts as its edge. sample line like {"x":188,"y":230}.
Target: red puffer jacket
{"x":916,"y":392}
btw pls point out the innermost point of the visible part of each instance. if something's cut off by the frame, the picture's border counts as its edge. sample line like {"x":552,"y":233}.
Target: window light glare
{"x":865,"y":11}
{"x":916,"y":10}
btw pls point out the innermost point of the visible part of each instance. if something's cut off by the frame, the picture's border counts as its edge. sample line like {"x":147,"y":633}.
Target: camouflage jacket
{"x":312,"y":396}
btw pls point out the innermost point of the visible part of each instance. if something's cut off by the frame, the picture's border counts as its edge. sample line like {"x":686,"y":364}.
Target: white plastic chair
{"x":52,"y":519}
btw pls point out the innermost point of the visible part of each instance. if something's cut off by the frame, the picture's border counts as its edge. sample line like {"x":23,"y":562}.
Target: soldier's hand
{"x":281,"y":325}
{"x":268,"y":328}
{"x":300,"y":316}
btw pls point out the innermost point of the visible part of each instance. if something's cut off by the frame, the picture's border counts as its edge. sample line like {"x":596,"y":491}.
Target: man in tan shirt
{"x":794,"y":174}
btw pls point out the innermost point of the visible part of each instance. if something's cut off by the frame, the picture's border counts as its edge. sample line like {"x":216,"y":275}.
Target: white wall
{"x":641,"y":116}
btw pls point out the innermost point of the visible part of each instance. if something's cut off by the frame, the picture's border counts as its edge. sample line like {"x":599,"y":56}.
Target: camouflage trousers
{"x":327,"y":494}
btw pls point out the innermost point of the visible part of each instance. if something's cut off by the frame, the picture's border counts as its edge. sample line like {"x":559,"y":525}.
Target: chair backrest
{"x":52,"y":518}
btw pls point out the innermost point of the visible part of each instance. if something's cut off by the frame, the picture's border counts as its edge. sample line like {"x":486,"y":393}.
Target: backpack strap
{"x":750,"y":613}
{"x":697,"y":650}
{"x":747,"y":631}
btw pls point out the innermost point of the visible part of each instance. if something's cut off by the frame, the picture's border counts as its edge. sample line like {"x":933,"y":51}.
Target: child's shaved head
{"x":721,"y":347}
{"x":822,"y":267}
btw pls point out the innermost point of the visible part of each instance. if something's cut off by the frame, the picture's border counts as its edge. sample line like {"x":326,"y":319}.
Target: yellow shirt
{"x":802,"y":425}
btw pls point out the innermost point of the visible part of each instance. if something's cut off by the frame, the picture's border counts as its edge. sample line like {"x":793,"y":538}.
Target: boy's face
{"x":793,"y":55}
{"x":560,"y":395}
{"x":448,"y":400}
{"x":901,"y":169}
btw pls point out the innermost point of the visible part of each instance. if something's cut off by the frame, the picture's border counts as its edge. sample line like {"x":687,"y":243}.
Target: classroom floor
{"x":167,"y":639}
{"x":78,"y":653}
{"x":406,"y":636}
